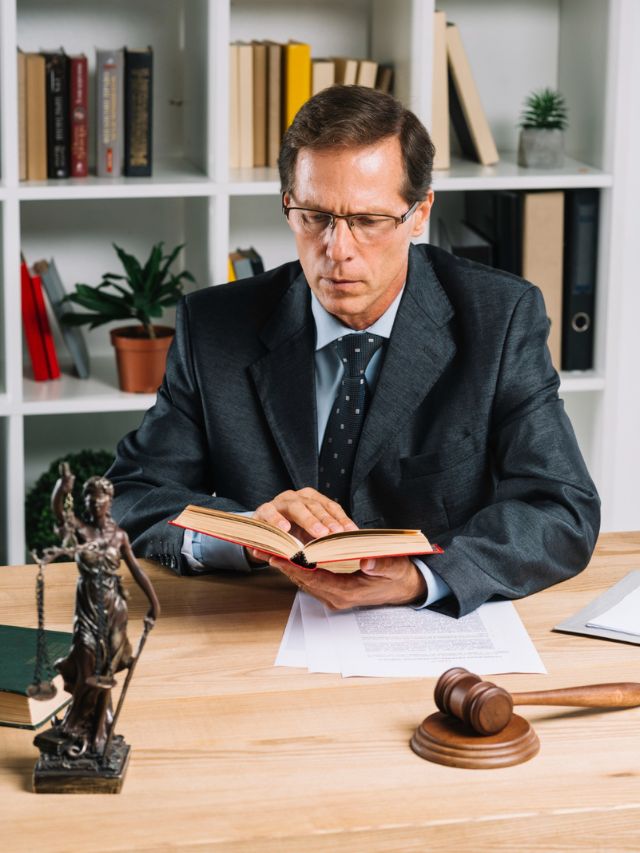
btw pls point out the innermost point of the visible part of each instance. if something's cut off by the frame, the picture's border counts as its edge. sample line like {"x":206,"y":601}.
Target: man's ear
{"x":422,"y":214}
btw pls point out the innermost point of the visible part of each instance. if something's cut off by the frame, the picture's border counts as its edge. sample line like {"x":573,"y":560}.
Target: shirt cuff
{"x":436,"y":587}
{"x":204,"y":553}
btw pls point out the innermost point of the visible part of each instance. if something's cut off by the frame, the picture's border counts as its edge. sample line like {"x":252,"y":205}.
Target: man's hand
{"x":390,"y":580}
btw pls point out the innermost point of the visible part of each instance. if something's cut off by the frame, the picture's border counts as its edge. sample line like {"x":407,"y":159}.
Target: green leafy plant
{"x":142,"y":293}
{"x":545,"y":108}
{"x":39,"y":518}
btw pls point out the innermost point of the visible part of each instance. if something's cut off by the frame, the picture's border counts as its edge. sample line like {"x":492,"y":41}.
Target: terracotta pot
{"x":141,"y":361}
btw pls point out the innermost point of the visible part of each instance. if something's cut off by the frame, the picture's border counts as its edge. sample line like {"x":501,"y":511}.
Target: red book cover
{"x":33,"y":336}
{"x":78,"y":117}
{"x":45,"y":328}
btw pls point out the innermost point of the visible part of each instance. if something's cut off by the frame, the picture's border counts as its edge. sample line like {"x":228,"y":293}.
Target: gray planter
{"x":541,"y":148}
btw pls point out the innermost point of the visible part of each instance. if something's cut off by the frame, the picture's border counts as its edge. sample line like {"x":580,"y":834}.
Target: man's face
{"x":353,"y":280}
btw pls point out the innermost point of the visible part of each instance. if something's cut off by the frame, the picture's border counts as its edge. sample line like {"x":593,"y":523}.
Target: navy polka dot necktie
{"x":347,"y":417}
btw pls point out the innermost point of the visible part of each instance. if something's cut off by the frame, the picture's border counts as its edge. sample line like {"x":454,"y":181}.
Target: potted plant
{"x":143,"y":293}
{"x":542,"y":122}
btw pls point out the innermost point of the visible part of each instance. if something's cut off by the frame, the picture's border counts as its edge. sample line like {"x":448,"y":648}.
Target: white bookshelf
{"x":514,"y":46}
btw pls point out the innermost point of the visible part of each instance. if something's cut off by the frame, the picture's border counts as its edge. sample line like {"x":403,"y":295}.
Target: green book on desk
{"x":17,"y":665}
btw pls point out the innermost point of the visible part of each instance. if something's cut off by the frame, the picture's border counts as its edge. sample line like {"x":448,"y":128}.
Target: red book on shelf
{"x":45,"y":328}
{"x":32,"y":333}
{"x":78,"y":117}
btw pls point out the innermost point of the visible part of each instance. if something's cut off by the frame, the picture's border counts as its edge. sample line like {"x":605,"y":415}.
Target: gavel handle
{"x":624,"y":694}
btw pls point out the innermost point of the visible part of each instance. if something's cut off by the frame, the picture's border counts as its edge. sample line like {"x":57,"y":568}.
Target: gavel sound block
{"x":476,"y":726}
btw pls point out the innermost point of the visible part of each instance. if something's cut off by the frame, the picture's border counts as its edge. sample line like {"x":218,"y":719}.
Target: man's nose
{"x":340,"y":241}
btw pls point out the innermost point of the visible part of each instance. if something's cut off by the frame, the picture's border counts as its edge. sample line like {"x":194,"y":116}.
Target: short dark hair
{"x":352,"y":116}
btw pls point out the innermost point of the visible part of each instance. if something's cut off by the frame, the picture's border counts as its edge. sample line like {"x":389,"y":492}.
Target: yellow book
{"x":231,"y":273}
{"x":297,"y":78}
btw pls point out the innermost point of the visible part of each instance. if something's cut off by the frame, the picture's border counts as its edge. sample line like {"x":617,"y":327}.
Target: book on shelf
{"x":109,"y":112}
{"x":260,"y":82}
{"x":31,"y":326}
{"x":346,"y":70}
{"x":384,"y":78}
{"x":45,"y":328}
{"x":497,"y":215}
{"x":57,"y":99}
{"x":440,"y":94}
{"x":234,"y":108}
{"x":138,"y":112}
{"x":580,"y":269}
{"x":297,"y":79}
{"x":72,"y":336}
{"x":367,"y":73}
{"x":337,"y":552}
{"x":36,"y":112}
{"x":464,"y":241}
{"x":323,"y":75}
{"x":467,"y":114}
{"x":78,"y":116}
{"x":17,"y":667}
{"x":542,"y":257}
{"x":245,"y":263}
{"x":245,"y":104}
{"x":22,"y":115}
{"x":274,"y":102}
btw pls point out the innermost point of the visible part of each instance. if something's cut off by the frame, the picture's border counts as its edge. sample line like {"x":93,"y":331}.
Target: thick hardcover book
{"x":17,"y":667}
{"x":297,"y":82}
{"x":45,"y":329}
{"x":57,"y":94}
{"x":33,"y":335}
{"x":36,"y":117}
{"x":580,"y":262}
{"x":440,"y":97}
{"x":72,"y":335}
{"x":467,"y":114}
{"x":542,"y":252}
{"x":109,"y":112}
{"x":78,"y":116}
{"x":323,"y":74}
{"x":337,"y":552}
{"x":138,"y":112}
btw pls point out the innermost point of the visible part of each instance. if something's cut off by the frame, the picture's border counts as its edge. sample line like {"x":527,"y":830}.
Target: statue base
{"x":58,"y":772}
{"x":447,"y":740}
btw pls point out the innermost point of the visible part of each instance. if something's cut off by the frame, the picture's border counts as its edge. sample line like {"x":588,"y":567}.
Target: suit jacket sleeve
{"x":542,"y":523}
{"x":164,"y":465}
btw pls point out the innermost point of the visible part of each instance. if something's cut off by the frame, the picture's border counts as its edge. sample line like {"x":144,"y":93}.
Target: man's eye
{"x":368,"y":222}
{"x":316,"y":218}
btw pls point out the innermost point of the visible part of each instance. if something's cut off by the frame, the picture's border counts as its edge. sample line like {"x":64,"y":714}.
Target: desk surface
{"x":230,"y":753}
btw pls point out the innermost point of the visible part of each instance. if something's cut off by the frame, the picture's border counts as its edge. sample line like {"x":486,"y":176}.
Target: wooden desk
{"x":230,"y":753}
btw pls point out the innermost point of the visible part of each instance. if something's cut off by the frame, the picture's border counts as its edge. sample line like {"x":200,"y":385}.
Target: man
{"x":445,"y":412}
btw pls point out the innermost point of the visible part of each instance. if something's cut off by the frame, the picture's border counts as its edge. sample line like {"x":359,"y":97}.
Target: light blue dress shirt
{"x":202,"y":551}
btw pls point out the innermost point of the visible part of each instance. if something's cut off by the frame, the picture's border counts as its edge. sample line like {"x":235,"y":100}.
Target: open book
{"x":337,"y":552}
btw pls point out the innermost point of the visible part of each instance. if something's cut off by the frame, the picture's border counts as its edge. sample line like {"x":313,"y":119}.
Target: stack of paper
{"x":401,"y":641}
{"x":623,"y":617}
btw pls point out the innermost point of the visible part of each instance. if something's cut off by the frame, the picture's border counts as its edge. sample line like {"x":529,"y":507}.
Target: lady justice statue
{"x":81,"y":752}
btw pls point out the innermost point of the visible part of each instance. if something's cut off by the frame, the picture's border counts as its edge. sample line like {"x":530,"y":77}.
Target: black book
{"x":464,"y":241}
{"x":497,"y":216}
{"x":579,"y":282}
{"x":138,"y":112}
{"x":57,"y":100}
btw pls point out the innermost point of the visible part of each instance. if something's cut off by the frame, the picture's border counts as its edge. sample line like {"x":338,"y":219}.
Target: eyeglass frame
{"x":398,"y":220}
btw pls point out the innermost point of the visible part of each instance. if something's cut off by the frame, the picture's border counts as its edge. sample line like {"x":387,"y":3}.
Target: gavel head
{"x":483,"y":706}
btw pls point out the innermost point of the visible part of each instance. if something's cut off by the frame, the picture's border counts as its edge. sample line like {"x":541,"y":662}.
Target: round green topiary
{"x":39,"y":518}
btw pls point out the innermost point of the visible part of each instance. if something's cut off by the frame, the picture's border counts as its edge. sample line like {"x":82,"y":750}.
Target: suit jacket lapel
{"x":420,"y":347}
{"x":285,"y":383}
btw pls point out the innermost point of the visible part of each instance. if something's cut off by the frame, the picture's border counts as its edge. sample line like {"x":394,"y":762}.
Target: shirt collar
{"x":329,"y":328}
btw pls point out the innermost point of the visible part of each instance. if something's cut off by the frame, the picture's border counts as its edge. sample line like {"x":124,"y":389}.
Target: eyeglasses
{"x":365,"y":227}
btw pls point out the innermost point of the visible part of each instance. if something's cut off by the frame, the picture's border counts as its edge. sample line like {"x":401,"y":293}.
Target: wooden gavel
{"x":487,"y":709}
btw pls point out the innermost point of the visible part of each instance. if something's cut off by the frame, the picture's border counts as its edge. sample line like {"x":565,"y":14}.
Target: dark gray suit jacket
{"x":465,"y":437}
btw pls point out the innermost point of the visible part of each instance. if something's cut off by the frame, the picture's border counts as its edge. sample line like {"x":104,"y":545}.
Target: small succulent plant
{"x":544,"y":108}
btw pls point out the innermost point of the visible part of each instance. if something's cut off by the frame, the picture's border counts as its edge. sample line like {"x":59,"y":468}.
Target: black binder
{"x":580,"y":261}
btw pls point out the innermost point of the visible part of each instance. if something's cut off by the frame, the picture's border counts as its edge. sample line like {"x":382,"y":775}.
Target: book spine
{"x":22,"y":115}
{"x":297,"y":83}
{"x":138,"y":112}
{"x":110,"y":113}
{"x":33,"y":336}
{"x":78,"y":117}
{"x":579,"y":286}
{"x":36,"y":118}
{"x":53,"y":368}
{"x":57,"y":97}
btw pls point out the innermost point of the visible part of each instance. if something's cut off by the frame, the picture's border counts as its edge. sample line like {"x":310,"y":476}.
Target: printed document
{"x":400,"y":641}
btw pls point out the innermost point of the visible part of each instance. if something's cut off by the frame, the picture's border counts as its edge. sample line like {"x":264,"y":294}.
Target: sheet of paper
{"x":322,"y":654}
{"x":400,"y":641}
{"x":293,"y":650}
{"x":623,"y":617}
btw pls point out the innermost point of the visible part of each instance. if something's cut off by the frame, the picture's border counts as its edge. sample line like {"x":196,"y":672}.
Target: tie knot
{"x":355,"y":351}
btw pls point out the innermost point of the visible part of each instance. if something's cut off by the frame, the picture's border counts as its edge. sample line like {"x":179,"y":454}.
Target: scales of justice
{"x":81,"y":752}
